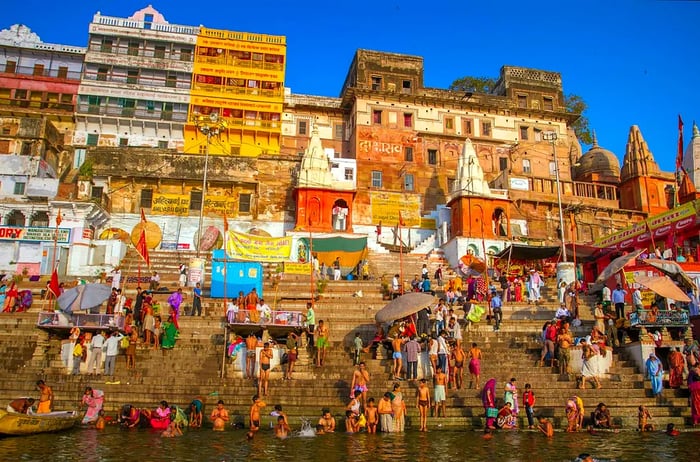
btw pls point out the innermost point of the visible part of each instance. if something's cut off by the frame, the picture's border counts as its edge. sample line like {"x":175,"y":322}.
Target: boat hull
{"x":12,"y":423}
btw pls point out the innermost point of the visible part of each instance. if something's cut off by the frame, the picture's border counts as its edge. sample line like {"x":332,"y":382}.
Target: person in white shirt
{"x":121,"y":300}
{"x":116,"y":278}
{"x":637,"y":299}
{"x":607,"y":297}
{"x":231,"y":311}
{"x":95,"y":360}
{"x":265,"y":311}
{"x":395,"y":286}
{"x":111,"y":351}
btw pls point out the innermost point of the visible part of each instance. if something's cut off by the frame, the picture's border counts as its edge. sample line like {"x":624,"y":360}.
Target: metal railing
{"x":52,"y":73}
{"x":276,"y":318}
{"x":667,"y":318}
{"x":58,"y":319}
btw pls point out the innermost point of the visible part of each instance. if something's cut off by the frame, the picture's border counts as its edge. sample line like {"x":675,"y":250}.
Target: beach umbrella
{"x":672,"y":269}
{"x":83,"y":297}
{"x":616,"y":265}
{"x":664,"y":286}
{"x":403,"y":306}
{"x":472,"y":265}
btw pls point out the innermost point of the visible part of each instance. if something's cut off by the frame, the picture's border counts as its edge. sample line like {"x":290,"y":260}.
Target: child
{"x":372,"y":416}
{"x":255,"y":415}
{"x":644,"y":417}
{"x":529,"y":403}
{"x":281,"y":429}
{"x":671,"y":430}
{"x":546,"y":427}
{"x":351,"y":425}
{"x":100,"y":424}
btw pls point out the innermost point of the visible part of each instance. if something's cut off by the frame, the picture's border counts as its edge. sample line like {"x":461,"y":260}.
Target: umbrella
{"x":672,"y":269}
{"x":664,"y":286}
{"x":470,"y":264}
{"x":403,"y":306}
{"x":83,"y":297}
{"x":617,"y":264}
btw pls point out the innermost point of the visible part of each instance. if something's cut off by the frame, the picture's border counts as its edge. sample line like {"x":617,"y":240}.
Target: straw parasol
{"x":403,"y":306}
{"x":664,"y":286}
{"x":617,"y":264}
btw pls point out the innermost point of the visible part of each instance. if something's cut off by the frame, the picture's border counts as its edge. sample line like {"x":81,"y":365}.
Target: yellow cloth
{"x":44,"y":407}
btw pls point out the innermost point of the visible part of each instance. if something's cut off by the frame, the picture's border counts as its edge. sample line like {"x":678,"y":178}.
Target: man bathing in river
{"x":219,"y":416}
{"x":423,"y":404}
{"x":255,"y":416}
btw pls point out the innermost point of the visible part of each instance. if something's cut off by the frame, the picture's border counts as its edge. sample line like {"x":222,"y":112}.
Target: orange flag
{"x":225,"y":224}
{"x":143,"y":216}
{"x":142,"y":248}
{"x":54,"y":285}
{"x":59,"y":219}
{"x":401,"y":222}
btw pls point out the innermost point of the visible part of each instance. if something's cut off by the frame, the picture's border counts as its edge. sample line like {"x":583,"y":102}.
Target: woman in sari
{"x":518,"y":290}
{"x":572,"y":415}
{"x":694,"y":388}
{"x":488,"y":398}
{"x":505,"y":419}
{"x":11,"y":295}
{"x":93,"y":399}
{"x":655,"y":371}
{"x":676,"y":364}
{"x":160,"y":418}
{"x":168,"y":332}
{"x":511,"y":396}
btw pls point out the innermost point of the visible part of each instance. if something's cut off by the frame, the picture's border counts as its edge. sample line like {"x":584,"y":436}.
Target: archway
{"x":15,"y":218}
{"x":314,"y":211}
{"x":499,"y":222}
{"x":339,"y":212}
{"x":39,"y":219}
{"x":473,"y":250}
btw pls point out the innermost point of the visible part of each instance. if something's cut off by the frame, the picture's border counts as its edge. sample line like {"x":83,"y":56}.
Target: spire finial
{"x":696,"y":131}
{"x":595,"y":140}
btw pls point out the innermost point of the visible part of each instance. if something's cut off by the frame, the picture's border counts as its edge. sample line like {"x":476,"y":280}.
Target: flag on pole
{"x":143,"y":217}
{"x":59,"y":219}
{"x":54,"y":285}
{"x":679,"y":158}
{"x":142,"y":247}
{"x":225,"y":224}
{"x":401,"y":222}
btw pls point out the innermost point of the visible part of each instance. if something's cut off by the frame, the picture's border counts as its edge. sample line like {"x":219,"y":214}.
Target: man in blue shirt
{"x":197,"y":300}
{"x":496,"y":305}
{"x":618,"y":299}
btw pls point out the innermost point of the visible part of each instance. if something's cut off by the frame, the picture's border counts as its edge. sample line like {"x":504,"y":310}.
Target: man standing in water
{"x":255,"y":416}
{"x":423,"y":404}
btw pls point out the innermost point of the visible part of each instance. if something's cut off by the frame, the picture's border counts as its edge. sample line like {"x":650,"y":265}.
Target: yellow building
{"x":240,"y":77}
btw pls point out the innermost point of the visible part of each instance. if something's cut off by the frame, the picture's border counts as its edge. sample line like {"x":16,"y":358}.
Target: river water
{"x":114,"y":444}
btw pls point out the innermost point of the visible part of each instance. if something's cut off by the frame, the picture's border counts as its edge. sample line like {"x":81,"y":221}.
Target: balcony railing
{"x":548,"y":185}
{"x":50,"y":73}
{"x":60,"y":320}
{"x":118,"y":111}
{"x":133,"y":24}
{"x":661,"y":318}
{"x":36,"y":104}
{"x":276,"y":318}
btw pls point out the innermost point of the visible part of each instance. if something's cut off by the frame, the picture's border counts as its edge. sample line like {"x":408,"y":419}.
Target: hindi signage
{"x":34,"y":234}
{"x":386,"y":207}
{"x":170,"y":204}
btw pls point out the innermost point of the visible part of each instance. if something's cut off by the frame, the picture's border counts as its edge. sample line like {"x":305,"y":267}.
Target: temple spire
{"x":696,"y":131}
{"x":315,"y":171}
{"x":470,"y":176}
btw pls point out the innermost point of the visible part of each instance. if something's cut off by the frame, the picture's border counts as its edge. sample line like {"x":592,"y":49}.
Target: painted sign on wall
{"x":170,"y":204}
{"x":34,"y":234}
{"x":386,"y":207}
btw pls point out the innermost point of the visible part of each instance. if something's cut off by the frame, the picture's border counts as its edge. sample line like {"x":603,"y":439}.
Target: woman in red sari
{"x":10,"y":299}
{"x":676,"y":363}
{"x":694,"y":387}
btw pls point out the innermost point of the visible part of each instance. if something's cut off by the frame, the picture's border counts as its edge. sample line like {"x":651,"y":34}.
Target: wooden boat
{"x":13,"y":423}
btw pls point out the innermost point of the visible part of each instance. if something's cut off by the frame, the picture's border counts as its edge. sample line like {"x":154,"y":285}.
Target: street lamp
{"x":210,"y":126}
{"x":552,"y":138}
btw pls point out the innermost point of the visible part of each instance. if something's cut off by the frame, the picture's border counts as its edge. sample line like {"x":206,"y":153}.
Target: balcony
{"x":134,"y":24}
{"x":45,"y":73}
{"x":42,"y":187}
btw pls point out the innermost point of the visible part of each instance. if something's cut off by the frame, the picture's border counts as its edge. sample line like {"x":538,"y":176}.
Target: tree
{"x":573,"y":104}
{"x":474,"y":84}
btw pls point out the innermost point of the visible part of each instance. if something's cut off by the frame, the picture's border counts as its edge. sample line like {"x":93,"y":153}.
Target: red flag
{"x":143,"y":216}
{"x":59,"y":219}
{"x":679,"y":158}
{"x":54,"y":285}
{"x":142,"y":248}
{"x":401,"y":222}
{"x":225,"y":224}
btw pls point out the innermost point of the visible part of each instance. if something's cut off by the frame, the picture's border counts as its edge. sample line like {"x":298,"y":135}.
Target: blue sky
{"x":633,"y":62}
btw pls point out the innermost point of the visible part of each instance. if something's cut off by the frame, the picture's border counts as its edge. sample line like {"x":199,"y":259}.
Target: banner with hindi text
{"x":387,"y":205}
{"x":258,"y":248}
{"x":221,"y":205}
{"x":170,"y":204}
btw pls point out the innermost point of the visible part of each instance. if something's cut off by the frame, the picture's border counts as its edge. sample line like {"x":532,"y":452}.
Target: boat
{"x":14,"y":423}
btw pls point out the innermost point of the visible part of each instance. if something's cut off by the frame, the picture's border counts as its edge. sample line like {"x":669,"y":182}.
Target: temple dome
{"x":598,"y":163}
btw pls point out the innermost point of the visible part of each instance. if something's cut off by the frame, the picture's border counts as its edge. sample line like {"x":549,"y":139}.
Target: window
{"x":150,"y":106}
{"x":468,"y":126}
{"x":408,"y":153}
{"x":102,"y":73}
{"x":133,"y":49}
{"x":106,"y":46}
{"x":128,"y":106}
{"x":338,"y":131}
{"x":195,"y":200}
{"x":38,"y":69}
{"x":11,"y":67}
{"x":526,"y":166}
{"x":552,"y":168}
{"x":376,"y":179}
{"x":26,"y":149}
{"x":19,"y":188}
{"x":349,"y":174}
{"x":146,"y":198}
{"x":147,"y":21}
{"x":132,"y":77}
{"x":432,"y":156}
{"x":523,"y":133}
{"x":167,"y":111}
{"x":20,"y":94}
{"x":159,"y":51}
{"x":302,"y":127}
{"x":97,"y":192}
{"x":548,"y":103}
{"x":406,"y":86}
{"x":62,"y":72}
{"x":376,"y":83}
{"x":92,"y":139}
{"x":163,"y":144}
{"x":377,"y":117}
{"x":171,"y":80}
{"x":538,"y":134}
{"x":123,"y":142}
{"x":244,"y":201}
{"x":503,"y":163}
{"x":449,"y":123}
{"x":485,"y":128}
{"x":185,"y":54}
{"x":522,"y":101}
{"x":408,"y":120}
{"x":94,"y":104}
{"x":408,"y":182}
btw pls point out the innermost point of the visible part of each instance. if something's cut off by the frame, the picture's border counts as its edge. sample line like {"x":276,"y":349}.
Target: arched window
{"x":15,"y":218}
{"x":340,"y":213}
{"x":473,"y":249}
{"x":39,"y":219}
{"x":499,"y":222}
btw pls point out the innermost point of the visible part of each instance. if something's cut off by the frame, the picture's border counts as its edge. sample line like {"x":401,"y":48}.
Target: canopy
{"x":403,"y":306}
{"x":664,"y":286}
{"x":617,"y":264}
{"x":83,"y":297}
{"x":528,"y":252}
{"x":672,"y":269}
